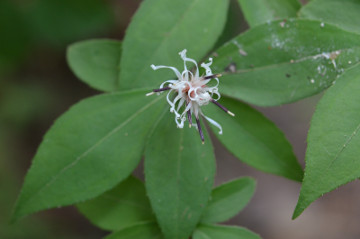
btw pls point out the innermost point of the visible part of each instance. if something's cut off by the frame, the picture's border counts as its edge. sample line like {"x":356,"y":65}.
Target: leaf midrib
{"x":167,"y":36}
{"x":348,"y":141}
{"x":92,"y":148}
{"x":265,"y":67}
{"x":177,"y":179}
{"x":262,"y":144}
{"x":343,"y":147}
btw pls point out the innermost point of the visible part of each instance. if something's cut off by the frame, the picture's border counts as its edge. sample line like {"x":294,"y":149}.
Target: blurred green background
{"x":36,"y":86}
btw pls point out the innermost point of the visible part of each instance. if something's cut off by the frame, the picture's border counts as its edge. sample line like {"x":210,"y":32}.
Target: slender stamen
{"x":200,"y":130}
{"x":158,"y":90}
{"x":212,"y":76}
{"x":162,"y":89}
{"x":189,"y":118}
{"x":222,"y":107}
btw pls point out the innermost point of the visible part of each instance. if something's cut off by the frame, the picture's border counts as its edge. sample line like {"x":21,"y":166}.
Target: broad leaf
{"x":160,"y":30}
{"x":60,"y":22}
{"x":228,"y":199}
{"x":281,"y":62}
{"x":89,"y":149}
{"x":254,"y":139}
{"x":343,"y":13}
{"x":121,"y":207}
{"x":332,"y":156}
{"x":261,"y":11}
{"x":225,"y":232}
{"x":140,"y":231}
{"x":179,"y":173}
{"x":96,"y":62}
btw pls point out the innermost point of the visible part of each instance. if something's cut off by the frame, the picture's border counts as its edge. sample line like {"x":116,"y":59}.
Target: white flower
{"x":189,"y":92}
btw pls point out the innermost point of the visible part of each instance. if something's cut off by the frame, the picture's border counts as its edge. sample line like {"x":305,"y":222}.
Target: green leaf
{"x":179,"y":173}
{"x":278,"y":63}
{"x":96,"y":62}
{"x":332,"y":156}
{"x":254,"y":139}
{"x":261,"y":11}
{"x":89,"y":149}
{"x":228,"y":232}
{"x":228,"y":199}
{"x":160,"y":30}
{"x":343,"y":13}
{"x":60,"y":22}
{"x":140,"y":231}
{"x":121,"y":207}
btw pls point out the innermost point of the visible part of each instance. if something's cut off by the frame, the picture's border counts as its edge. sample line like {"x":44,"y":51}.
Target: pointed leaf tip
{"x":82,"y":155}
{"x":332,"y":153}
{"x":228,"y":199}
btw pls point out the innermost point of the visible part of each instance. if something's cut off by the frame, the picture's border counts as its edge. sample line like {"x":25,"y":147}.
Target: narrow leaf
{"x":160,"y":30}
{"x":254,"y":139}
{"x":140,"y":231}
{"x":228,"y":232}
{"x":89,"y":149}
{"x":261,"y":11}
{"x":228,"y":199}
{"x":96,"y":62}
{"x":342,"y":13}
{"x":281,"y":62}
{"x":179,"y":173}
{"x":332,"y":156}
{"x":121,"y":207}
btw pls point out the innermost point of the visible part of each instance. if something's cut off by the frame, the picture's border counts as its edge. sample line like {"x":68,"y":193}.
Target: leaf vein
{"x":93,"y":147}
{"x":283,"y":63}
{"x":346,"y":144}
{"x":181,"y":18}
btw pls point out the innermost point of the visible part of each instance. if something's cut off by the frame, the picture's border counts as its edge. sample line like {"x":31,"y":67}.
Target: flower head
{"x":189,"y":92}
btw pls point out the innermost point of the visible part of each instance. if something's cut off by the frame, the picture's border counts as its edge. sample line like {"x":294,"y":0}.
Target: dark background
{"x":36,"y":87}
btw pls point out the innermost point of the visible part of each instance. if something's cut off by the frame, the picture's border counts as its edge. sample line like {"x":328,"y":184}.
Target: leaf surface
{"x":228,"y":199}
{"x":96,"y":62}
{"x":261,"y":11}
{"x":121,"y":207}
{"x":140,"y":231}
{"x":160,"y":30}
{"x":254,"y":139}
{"x":332,"y":156}
{"x":342,"y":13}
{"x":281,"y":62}
{"x":89,"y":149}
{"x":179,"y":173}
{"x":228,"y":232}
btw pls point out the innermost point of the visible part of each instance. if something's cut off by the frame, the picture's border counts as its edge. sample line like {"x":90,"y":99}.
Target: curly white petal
{"x":208,"y":71}
{"x":207,"y":68}
{"x":213,"y":122}
{"x":168,"y":81}
{"x":191,"y":91}
{"x":186,"y":59}
{"x":169,"y":67}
